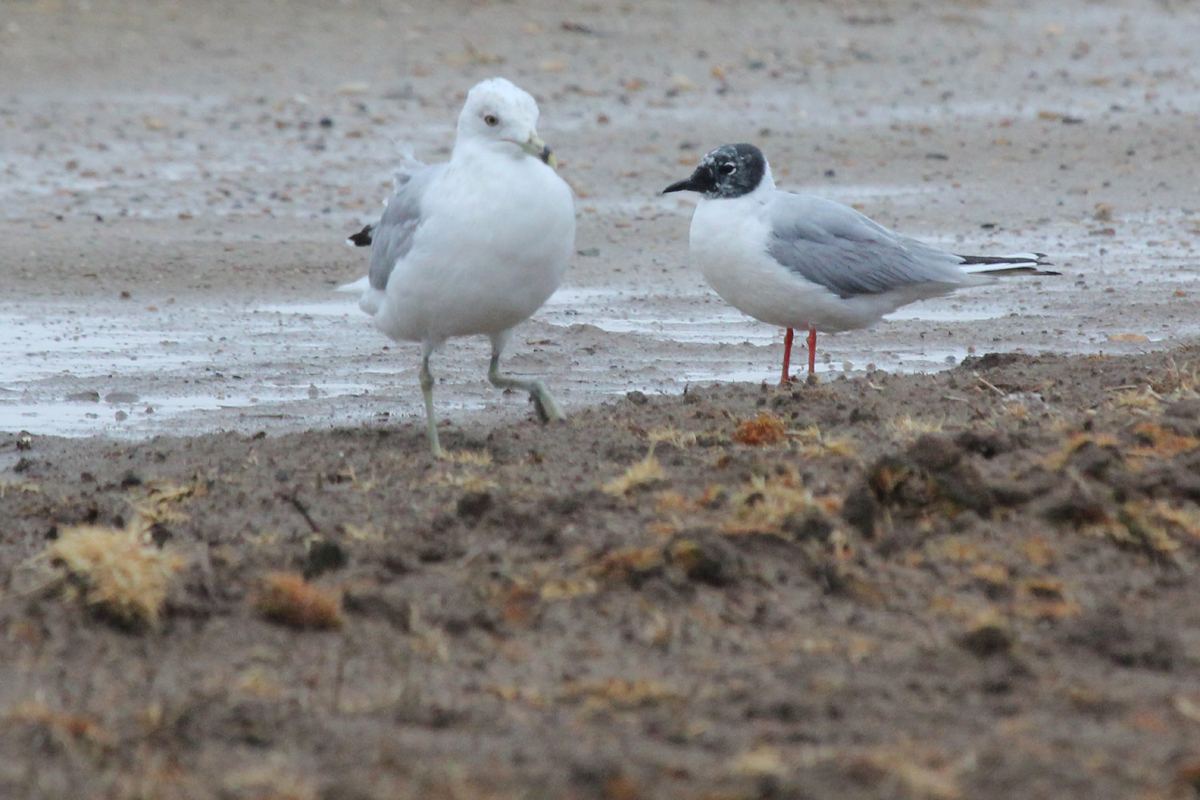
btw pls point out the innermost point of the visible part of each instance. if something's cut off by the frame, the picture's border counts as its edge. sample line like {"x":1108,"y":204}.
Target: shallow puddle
{"x":118,"y":368}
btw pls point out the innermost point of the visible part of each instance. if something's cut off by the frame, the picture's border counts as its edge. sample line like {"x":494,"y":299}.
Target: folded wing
{"x":834,"y":246}
{"x":392,"y":237}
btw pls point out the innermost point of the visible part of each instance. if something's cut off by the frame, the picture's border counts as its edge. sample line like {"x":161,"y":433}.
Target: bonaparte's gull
{"x":807,"y":262}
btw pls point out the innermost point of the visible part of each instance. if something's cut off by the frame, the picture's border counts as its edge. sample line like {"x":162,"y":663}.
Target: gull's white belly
{"x":731,"y":251}
{"x":484,"y":260}
{"x":729,"y":240}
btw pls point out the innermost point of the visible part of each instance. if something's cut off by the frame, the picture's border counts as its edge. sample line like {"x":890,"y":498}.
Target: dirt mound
{"x":971,"y":584}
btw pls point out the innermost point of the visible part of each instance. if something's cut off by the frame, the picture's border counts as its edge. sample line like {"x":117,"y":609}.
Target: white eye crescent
{"x":726,"y":169}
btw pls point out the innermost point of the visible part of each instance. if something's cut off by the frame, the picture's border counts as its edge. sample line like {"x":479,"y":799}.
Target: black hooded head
{"x":731,"y":170}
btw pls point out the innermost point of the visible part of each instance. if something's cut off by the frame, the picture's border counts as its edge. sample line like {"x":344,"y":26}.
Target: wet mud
{"x":978,"y":583}
{"x":962,"y":565}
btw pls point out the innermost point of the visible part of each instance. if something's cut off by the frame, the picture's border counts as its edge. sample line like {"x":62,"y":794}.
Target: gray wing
{"x":849,"y":254}
{"x":393,"y":236}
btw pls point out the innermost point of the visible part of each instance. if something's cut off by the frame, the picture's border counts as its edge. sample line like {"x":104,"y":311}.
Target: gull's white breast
{"x":497,"y":234}
{"x":729,"y":240}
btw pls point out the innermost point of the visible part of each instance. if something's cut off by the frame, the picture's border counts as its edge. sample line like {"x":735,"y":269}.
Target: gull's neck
{"x":766,"y":187}
{"x":470,"y":148}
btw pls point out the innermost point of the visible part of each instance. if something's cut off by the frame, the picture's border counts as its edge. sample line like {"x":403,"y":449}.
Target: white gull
{"x":473,"y":246}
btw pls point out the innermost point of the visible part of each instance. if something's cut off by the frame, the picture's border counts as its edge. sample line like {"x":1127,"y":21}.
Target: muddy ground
{"x":979,"y":583}
{"x":246,"y":578}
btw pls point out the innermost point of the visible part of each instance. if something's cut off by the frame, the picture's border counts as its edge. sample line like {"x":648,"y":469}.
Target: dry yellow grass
{"x":619,"y":564}
{"x":1144,"y":400}
{"x":18,"y":486}
{"x":1017,"y":411}
{"x":61,"y":724}
{"x":906,"y":427}
{"x":120,"y":572}
{"x":760,"y":760}
{"x":934,"y":782}
{"x":1056,"y":461}
{"x":349,"y":474}
{"x":471,"y":458}
{"x":767,"y":503}
{"x":158,"y":503}
{"x":367,"y":532}
{"x":1150,"y":527}
{"x":1180,"y":381}
{"x":641,"y":473}
{"x":1160,"y":442}
{"x":670,"y":435}
{"x":1044,"y":598}
{"x":468,"y":481}
{"x":1185,"y":520}
{"x":813,"y":442}
{"x":619,"y":693}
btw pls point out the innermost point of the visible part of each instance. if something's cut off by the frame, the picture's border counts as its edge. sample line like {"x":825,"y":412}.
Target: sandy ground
{"x":1001,"y":610}
{"x":177,"y":154}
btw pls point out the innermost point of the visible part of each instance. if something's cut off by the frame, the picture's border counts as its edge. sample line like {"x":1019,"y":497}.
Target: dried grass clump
{"x":286,"y":598}
{"x":766,"y":504}
{"x":1144,"y":400}
{"x":119,"y":572}
{"x":642,"y":473}
{"x":1058,"y":460}
{"x":908,"y":427}
{"x":765,"y":429}
{"x":1155,"y":441}
{"x":814,"y":443}
{"x":936,"y":781}
{"x":627,"y":562}
{"x":471,"y":458}
{"x":468,"y":481}
{"x":1044,"y":598}
{"x":1151,"y":527}
{"x":1015,"y":410}
{"x":73,"y":733}
{"x":670,"y":435}
{"x":158,"y":504}
{"x":1180,"y":381}
{"x":619,"y":693}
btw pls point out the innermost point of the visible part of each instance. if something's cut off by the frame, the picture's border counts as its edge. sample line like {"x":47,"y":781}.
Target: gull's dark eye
{"x":492,"y":120}
{"x":726,"y":169}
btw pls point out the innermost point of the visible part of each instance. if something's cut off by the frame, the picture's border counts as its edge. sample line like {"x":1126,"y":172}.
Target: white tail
{"x":358,"y":286}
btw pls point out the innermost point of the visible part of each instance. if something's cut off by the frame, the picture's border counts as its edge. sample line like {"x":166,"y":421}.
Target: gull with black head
{"x":806,"y":262}
{"x":474,"y":245}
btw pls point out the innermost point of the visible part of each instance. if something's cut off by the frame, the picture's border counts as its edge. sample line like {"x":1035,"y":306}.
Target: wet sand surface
{"x":210,"y":165}
{"x":932,"y":575}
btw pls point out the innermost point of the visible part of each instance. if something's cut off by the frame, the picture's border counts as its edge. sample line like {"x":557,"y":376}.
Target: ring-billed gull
{"x":474,"y":245}
{"x":807,"y":262}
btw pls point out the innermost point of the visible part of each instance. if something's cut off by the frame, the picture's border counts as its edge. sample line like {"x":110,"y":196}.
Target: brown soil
{"x":976,"y":584}
{"x":972,"y":584}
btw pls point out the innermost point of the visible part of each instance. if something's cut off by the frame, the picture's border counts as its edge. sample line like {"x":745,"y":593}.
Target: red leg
{"x":787,"y":355}
{"x":812,"y":351}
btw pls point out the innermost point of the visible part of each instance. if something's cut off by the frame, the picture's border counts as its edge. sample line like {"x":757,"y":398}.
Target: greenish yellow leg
{"x":543,"y":402}
{"x":427,"y":389}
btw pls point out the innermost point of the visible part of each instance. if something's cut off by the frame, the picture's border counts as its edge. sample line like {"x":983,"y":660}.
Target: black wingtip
{"x":1012,"y":264}
{"x":363,"y":238}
